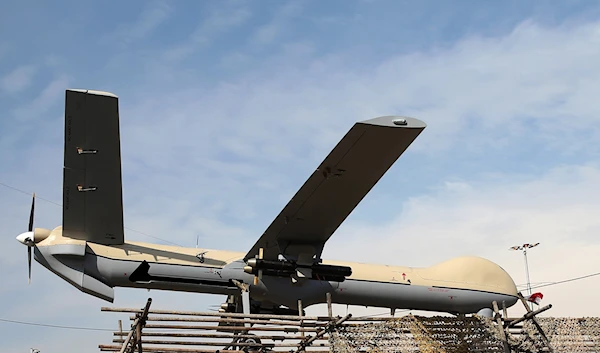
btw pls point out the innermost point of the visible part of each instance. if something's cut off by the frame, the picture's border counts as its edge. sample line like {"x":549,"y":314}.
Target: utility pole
{"x":524,"y":248}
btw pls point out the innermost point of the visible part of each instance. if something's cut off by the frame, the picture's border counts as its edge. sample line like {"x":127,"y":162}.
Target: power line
{"x":58,"y":204}
{"x":381,"y":314}
{"x":566,"y":280}
{"x":56,"y":326}
{"x":30,"y":194}
{"x":151,"y":236}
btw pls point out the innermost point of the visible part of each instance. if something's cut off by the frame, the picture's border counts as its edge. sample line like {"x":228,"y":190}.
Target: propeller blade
{"x":31,"y":213}
{"x":29,"y":261}
{"x":259,"y":273}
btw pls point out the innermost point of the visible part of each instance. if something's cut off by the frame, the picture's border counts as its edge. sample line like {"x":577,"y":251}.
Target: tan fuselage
{"x":458,"y":285}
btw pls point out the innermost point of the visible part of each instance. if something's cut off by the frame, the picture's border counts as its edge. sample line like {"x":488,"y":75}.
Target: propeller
{"x":29,"y":264}
{"x":259,"y":273}
{"x":27,"y":238}
{"x":30,"y":229}
{"x":32,"y":236}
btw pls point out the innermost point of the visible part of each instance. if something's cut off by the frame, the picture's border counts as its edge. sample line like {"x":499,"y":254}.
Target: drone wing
{"x":92,"y":191}
{"x":334,"y":189}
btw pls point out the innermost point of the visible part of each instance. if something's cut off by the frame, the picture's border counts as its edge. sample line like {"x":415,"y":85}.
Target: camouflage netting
{"x":570,"y":334}
{"x":470,"y":334}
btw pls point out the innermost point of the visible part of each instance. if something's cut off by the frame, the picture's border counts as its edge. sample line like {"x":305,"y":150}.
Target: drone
{"x":89,"y":249}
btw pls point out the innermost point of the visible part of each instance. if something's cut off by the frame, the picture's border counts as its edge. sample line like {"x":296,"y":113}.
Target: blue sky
{"x":227,"y":107}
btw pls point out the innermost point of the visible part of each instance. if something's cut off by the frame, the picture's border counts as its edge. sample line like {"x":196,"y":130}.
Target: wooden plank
{"x":232,"y":328}
{"x":114,"y":348}
{"x":230,"y":320}
{"x":196,"y":313}
{"x":211,"y":343}
{"x":219,"y":335}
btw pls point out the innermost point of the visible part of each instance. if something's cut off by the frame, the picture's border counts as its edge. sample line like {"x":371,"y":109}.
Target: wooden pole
{"x":141,"y":323}
{"x":134,"y":329}
{"x":127,"y":340}
{"x":501,"y":328}
{"x":138,"y":335}
{"x":300,"y":313}
{"x":302,"y":345}
{"x":329,"y":307}
{"x":531,"y":315}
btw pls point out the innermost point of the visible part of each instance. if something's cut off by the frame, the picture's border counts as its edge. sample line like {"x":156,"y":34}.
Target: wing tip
{"x":94,"y":92}
{"x":396,"y":121}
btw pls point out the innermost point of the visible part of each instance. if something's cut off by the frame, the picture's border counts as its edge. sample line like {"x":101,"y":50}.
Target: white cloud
{"x":18,"y":79}
{"x":215,"y":24}
{"x":150,"y":18}
{"x":234,"y":60}
{"x":48,"y":97}
{"x":481,"y":94}
{"x":270,"y":31}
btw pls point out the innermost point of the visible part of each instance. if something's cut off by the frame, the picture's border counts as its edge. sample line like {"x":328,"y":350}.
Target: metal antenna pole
{"x":527,"y":272}
{"x":524,"y":247}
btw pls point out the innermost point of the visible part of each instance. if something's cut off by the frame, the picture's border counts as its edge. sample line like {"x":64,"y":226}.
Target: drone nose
{"x":26,"y":238}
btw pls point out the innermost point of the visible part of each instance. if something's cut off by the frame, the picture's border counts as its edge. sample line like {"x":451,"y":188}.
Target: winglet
{"x":396,"y":122}
{"x":94,"y":92}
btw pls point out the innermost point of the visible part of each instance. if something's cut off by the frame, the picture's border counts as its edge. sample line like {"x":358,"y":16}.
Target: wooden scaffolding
{"x":154,"y":331}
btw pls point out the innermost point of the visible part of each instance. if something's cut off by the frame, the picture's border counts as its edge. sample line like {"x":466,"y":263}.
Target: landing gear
{"x":486,"y":312}
{"x":251,"y":343}
{"x":245,"y":291}
{"x":254,"y":344}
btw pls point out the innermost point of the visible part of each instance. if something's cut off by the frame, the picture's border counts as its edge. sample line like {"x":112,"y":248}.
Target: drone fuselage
{"x":461,"y":285}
